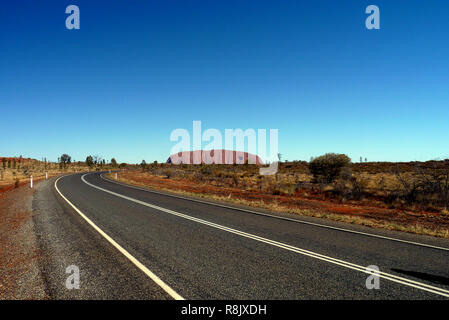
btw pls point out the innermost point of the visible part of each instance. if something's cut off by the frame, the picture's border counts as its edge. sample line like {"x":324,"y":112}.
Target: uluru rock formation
{"x":220,"y":156}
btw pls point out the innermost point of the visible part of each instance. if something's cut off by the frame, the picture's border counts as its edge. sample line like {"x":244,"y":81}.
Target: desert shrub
{"x":16,"y":183}
{"x":288,"y":189}
{"x":143,"y":165}
{"x":433,"y":186}
{"x":89,"y":161}
{"x":65,"y":160}
{"x":235,"y":180}
{"x":327,"y":168}
{"x":206,"y":170}
{"x":425,"y":185}
{"x":168,"y":173}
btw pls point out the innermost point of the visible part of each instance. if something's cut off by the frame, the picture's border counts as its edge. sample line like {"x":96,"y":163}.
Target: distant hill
{"x":219,"y":156}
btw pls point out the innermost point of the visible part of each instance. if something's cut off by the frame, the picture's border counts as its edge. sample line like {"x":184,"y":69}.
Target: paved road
{"x":201,"y":251}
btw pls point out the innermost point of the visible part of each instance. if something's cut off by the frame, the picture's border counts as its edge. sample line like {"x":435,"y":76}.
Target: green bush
{"x":89,"y":161}
{"x":327,"y":168}
{"x":143,"y":165}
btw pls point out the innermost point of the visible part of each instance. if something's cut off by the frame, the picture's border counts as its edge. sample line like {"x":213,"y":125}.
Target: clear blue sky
{"x":136,"y":70}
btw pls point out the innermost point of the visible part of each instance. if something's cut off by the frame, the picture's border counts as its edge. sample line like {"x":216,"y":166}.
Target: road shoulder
{"x":21,"y":277}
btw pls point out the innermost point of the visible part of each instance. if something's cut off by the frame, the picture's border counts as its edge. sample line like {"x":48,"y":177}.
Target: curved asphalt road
{"x":202,"y":251}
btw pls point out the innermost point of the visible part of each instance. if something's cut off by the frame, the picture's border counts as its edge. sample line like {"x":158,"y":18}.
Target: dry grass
{"x":13,"y":177}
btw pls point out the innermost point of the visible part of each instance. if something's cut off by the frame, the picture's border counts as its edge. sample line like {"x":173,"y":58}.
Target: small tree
{"x":89,"y":161}
{"x":97,"y":160}
{"x":65,"y":159}
{"x":143,"y":165}
{"x":113,"y":162}
{"x":327,"y":167}
{"x":4,"y":163}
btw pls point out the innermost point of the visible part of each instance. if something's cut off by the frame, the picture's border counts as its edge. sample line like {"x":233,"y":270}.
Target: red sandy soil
{"x":7,"y":186}
{"x":23,"y":160}
{"x":373,"y":211}
{"x":19,"y":272}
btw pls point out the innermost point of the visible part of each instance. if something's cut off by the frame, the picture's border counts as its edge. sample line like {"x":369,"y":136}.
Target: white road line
{"x":136,"y":262}
{"x":282,"y":218}
{"x":384,"y":275}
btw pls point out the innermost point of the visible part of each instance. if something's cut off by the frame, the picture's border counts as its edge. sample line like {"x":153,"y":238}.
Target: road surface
{"x":130,"y":243}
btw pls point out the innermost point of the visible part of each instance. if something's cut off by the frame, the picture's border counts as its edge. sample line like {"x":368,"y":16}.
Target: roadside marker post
{"x":31,"y":181}
{"x":46,"y":175}
{"x":116,"y":176}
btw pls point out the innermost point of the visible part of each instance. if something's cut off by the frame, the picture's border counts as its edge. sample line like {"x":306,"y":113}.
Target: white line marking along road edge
{"x":136,"y":262}
{"x":279,"y":217}
{"x":384,"y":275}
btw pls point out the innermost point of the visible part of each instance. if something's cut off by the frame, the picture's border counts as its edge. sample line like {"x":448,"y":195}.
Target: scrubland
{"x":16,"y":171}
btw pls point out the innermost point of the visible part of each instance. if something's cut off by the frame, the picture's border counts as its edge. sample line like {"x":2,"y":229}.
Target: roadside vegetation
{"x":16,"y":171}
{"x":411,"y":196}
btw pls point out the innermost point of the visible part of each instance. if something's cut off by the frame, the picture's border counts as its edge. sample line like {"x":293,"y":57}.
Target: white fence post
{"x":31,"y":181}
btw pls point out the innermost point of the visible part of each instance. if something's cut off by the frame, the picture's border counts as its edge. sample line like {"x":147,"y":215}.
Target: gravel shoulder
{"x":20,"y":274}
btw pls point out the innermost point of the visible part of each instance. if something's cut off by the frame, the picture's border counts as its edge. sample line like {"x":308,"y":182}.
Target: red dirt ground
{"x":18,"y":249}
{"x":7,"y":186}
